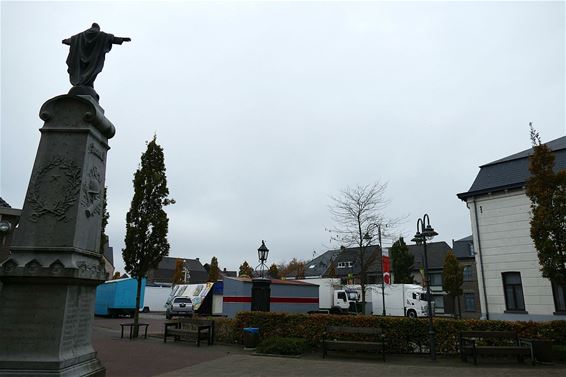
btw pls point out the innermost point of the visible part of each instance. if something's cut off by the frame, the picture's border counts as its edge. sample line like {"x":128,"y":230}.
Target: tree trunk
{"x":459,"y":308}
{"x":136,"y":311}
{"x":363,"y":285}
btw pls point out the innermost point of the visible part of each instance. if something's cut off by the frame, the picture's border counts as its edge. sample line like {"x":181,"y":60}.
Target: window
{"x":471,"y":250}
{"x":559,"y":293}
{"x":435,"y":279}
{"x":468,"y":273}
{"x":344,"y":264}
{"x":513,"y":290}
{"x":182,"y":300}
{"x":438,"y":304}
{"x":342,"y":296}
{"x":469,"y":302}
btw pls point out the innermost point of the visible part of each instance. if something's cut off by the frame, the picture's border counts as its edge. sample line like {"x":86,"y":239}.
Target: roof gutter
{"x":470,"y":194}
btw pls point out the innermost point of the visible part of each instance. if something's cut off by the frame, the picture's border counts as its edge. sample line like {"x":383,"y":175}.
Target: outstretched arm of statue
{"x":67,"y":41}
{"x":120,"y":40}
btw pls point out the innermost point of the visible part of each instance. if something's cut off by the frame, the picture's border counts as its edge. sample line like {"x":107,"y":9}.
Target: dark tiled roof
{"x":166,"y":270}
{"x":436,"y":252}
{"x":512,"y":171}
{"x":232,"y":274}
{"x":192,"y":264}
{"x":320,"y":264}
{"x":462,"y":246}
{"x":353,"y":255}
{"x":4,"y":204}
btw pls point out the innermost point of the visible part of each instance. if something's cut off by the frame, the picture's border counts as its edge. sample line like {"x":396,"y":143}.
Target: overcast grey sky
{"x":266,"y":109}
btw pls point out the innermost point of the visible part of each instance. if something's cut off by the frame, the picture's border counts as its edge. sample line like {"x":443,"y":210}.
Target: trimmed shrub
{"x":225,"y":330}
{"x":282,"y":346}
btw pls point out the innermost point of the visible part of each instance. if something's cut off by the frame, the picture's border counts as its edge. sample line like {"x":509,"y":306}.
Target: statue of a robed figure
{"x":48,"y":282}
{"x":87,"y":52}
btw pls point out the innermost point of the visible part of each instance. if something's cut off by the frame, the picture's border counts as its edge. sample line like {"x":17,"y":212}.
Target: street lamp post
{"x":261,"y":286}
{"x":262,"y":256}
{"x":186,"y":274}
{"x":426,"y":232}
{"x":368,"y":237}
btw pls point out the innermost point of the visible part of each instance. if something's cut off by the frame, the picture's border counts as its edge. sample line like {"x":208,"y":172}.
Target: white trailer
{"x":400,"y":300}
{"x":155,"y":299}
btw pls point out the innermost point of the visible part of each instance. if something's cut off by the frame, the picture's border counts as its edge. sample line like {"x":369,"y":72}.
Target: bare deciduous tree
{"x":358,"y":215}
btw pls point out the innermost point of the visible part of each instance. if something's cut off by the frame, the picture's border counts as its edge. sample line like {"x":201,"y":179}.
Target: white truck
{"x":400,"y":300}
{"x":334,"y":298}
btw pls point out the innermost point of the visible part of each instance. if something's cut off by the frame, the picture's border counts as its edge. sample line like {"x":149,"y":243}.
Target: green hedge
{"x":225,"y":330}
{"x":282,"y":346}
{"x":404,"y":335}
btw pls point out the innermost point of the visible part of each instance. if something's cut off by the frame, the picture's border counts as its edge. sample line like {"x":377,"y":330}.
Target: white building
{"x":511,"y":285}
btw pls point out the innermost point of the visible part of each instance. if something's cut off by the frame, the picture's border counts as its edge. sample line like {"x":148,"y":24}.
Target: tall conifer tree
{"x":453,"y":278}
{"x":146,"y":221}
{"x":547,"y":191}
{"x":214,"y":272}
{"x":402,"y":262}
{"x":245,"y":270}
{"x":105,"y":217}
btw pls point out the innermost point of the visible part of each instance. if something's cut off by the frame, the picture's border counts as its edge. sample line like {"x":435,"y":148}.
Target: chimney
{"x":198,"y":260}
{"x":224,"y":269}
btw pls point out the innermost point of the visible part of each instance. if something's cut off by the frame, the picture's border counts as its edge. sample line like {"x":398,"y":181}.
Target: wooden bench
{"x":339,"y":338}
{"x":493,"y":343}
{"x":201,"y":329}
{"x":131,"y":326}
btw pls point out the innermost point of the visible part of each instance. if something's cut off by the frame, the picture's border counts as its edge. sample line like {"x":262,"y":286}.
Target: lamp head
{"x":429,"y":233}
{"x":262,"y":252}
{"x":418,"y":239}
{"x":5,"y":226}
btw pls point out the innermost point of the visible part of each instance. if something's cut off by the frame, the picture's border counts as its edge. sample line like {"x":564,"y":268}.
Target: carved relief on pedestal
{"x":96,"y":152}
{"x":91,"y":195}
{"x":33,"y":266}
{"x":10,"y":265}
{"x":54,"y":189}
{"x":56,"y":267}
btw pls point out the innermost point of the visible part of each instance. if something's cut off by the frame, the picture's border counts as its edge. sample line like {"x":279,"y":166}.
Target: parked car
{"x":179,"y":306}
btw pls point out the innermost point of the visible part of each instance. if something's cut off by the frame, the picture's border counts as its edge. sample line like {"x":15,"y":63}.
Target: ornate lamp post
{"x":427,"y":233}
{"x":368,"y":237}
{"x":261,"y":291}
{"x":262,"y":253}
{"x":186,"y":274}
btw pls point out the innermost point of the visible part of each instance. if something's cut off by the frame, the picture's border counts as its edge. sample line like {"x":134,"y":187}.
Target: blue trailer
{"x":118,"y":297}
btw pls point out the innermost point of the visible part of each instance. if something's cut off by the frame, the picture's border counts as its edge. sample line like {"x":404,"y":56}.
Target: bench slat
{"x":201,"y":328}
{"x":468,"y":345}
{"x":339,"y":339}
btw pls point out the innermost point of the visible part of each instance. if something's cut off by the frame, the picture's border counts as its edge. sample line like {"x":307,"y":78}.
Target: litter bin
{"x":251,"y":337}
{"x":542,"y":349}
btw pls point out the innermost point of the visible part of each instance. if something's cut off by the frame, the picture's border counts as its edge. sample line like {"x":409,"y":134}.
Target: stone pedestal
{"x":261,"y":295}
{"x":48,"y":283}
